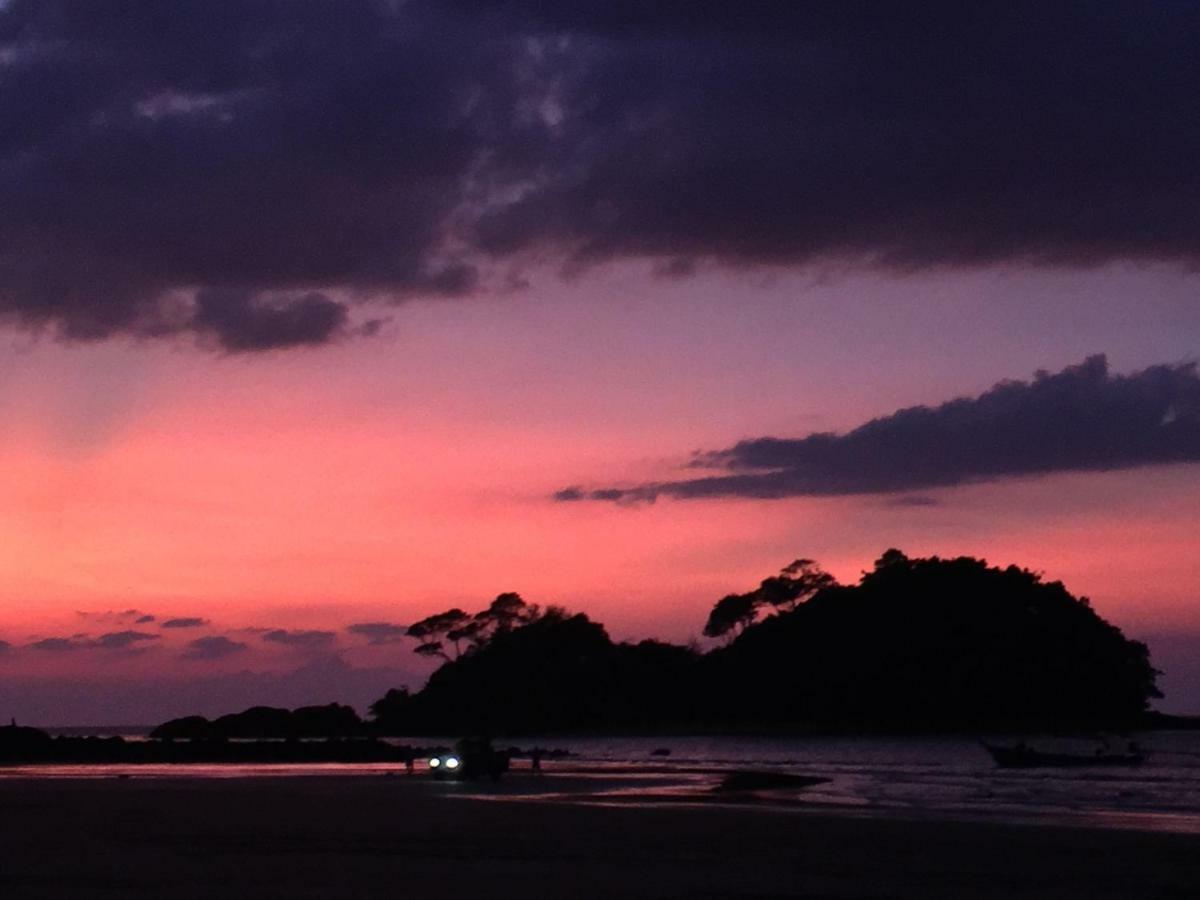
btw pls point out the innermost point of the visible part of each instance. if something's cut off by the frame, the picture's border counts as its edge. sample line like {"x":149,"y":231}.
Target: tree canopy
{"x":794,"y":584}
{"x":462,"y":632}
{"x":917,"y":644}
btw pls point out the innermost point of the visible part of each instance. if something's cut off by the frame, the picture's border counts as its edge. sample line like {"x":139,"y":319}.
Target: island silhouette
{"x":917,"y":645}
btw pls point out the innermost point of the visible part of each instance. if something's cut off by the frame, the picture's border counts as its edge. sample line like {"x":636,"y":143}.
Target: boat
{"x":1023,"y":756}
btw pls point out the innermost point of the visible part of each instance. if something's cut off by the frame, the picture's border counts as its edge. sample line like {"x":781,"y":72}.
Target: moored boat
{"x":1023,"y":756}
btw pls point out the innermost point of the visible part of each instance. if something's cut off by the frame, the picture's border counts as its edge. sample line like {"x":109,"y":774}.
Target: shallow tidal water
{"x":940,"y":777}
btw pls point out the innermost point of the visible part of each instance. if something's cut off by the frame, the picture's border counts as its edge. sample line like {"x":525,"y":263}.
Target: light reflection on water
{"x":203,"y":770}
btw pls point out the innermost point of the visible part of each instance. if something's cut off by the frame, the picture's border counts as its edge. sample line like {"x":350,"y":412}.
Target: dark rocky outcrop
{"x":332,"y":720}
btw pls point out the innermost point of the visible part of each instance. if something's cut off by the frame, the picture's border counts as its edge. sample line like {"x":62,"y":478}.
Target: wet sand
{"x":412,"y":837}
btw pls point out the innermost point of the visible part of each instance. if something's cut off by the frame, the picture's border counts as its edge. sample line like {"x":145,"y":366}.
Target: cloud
{"x":213,"y":647}
{"x":379,"y":632}
{"x":185,"y":622}
{"x":122,"y":640}
{"x":127,"y":640}
{"x":242,"y":178}
{"x":5,"y":646}
{"x":59,"y":644}
{"x":912,"y":501}
{"x":1080,"y":419}
{"x":136,"y":616}
{"x":306,"y":639}
{"x":941,"y":134}
{"x":239,"y":321}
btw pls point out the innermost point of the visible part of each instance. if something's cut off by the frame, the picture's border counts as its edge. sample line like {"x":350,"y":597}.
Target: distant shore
{"x":351,"y":837}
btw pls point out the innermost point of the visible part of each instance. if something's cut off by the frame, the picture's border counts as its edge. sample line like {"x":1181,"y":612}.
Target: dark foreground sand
{"x":410,"y":837}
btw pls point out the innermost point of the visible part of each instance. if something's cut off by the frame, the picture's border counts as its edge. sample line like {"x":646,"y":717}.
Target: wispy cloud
{"x":213,"y":647}
{"x":379,"y":632}
{"x":112,"y":616}
{"x":58,"y":644}
{"x":113,"y":640}
{"x":306,"y":639}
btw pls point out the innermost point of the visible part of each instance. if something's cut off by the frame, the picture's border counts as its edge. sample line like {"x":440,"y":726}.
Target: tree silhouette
{"x":794,"y":584}
{"x":917,"y":644}
{"x":732,"y":615}
{"x":505,"y":613}
{"x":434,"y":631}
{"x":556,"y":672}
{"x":891,"y":560}
{"x":936,"y":643}
{"x":466,"y":632}
{"x":391,"y":705}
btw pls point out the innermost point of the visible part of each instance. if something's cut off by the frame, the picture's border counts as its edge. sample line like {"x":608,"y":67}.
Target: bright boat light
{"x":451,"y":762}
{"x":434,"y":763}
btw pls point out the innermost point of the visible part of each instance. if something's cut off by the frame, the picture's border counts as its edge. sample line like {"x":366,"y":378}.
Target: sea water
{"x":952,"y":775}
{"x":940,"y":776}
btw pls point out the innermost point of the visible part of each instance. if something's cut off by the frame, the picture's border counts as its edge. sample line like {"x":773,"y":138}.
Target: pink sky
{"x":386,"y":478}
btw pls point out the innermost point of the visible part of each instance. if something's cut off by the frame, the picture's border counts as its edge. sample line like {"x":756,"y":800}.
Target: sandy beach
{"x":401,"y":836}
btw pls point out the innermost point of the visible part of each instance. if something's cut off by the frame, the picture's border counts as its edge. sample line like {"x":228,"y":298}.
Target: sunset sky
{"x":339,"y":314}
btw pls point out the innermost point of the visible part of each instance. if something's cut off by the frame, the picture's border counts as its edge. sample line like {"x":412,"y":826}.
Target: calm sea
{"x":947,"y":776}
{"x":935,"y":776}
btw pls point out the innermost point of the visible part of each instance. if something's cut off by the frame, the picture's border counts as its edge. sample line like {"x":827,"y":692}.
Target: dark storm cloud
{"x":378,"y":632}
{"x":210,"y":171}
{"x":185,"y":622}
{"x":239,"y":321}
{"x":933,"y":133}
{"x":1080,"y":419}
{"x":241,"y":172}
{"x":306,"y":639}
{"x":213,"y":647}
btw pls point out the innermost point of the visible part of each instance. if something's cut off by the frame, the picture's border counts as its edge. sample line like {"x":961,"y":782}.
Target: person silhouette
{"x":535,"y":760}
